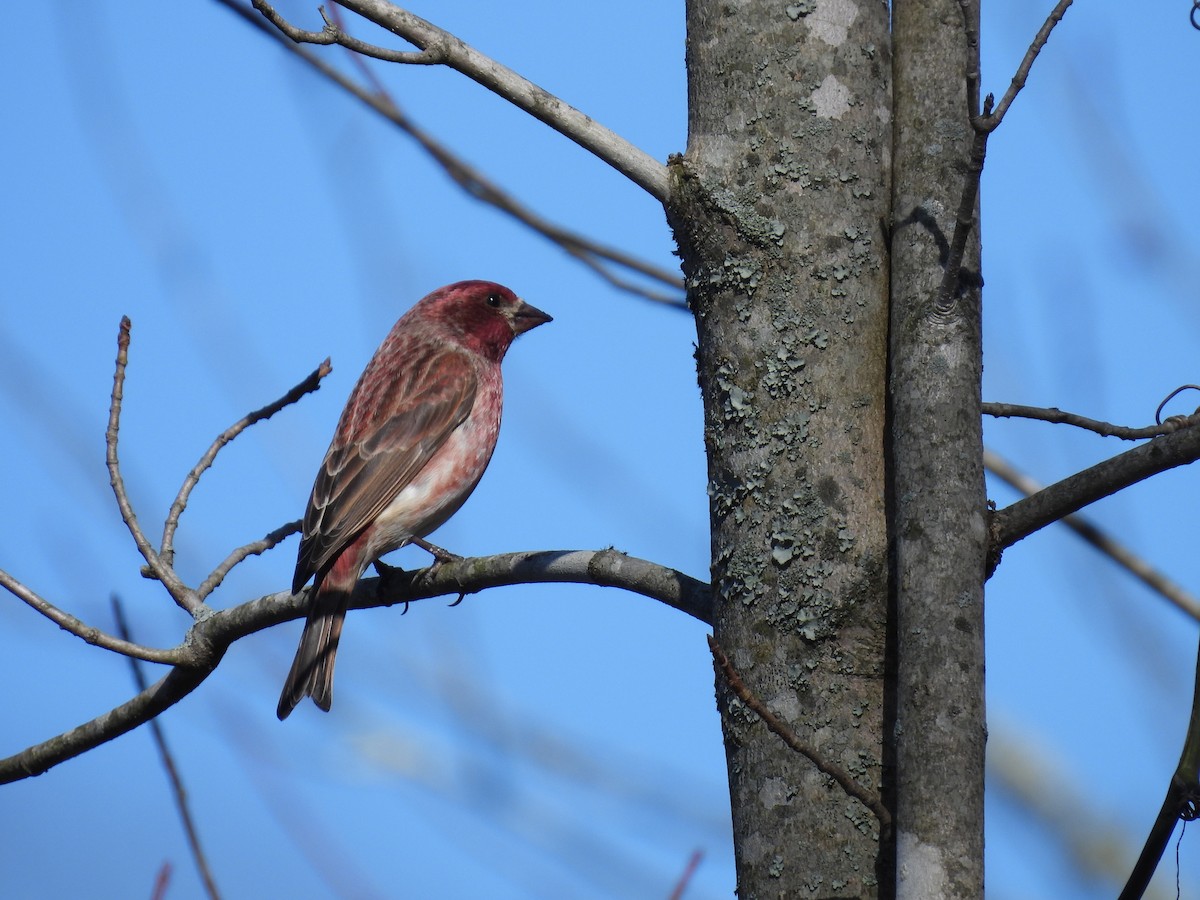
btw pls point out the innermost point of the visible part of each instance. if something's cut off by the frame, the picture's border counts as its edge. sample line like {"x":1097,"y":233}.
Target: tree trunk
{"x":778,"y":207}
{"x":939,"y":511}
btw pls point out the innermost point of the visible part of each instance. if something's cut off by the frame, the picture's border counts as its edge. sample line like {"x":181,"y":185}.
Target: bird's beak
{"x":527,"y":317}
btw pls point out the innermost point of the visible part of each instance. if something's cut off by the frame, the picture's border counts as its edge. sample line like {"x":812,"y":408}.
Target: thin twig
{"x":637,"y":165}
{"x":88,"y":633}
{"x":168,"y":760}
{"x":1106,"y":429}
{"x":474,"y":182}
{"x":983,"y":124}
{"x":1071,"y":494}
{"x":332,"y":34}
{"x":990,"y":121}
{"x":162,"y":881}
{"x":685,"y":878}
{"x":848,"y":783}
{"x":307,"y":386}
{"x":159,"y":568}
{"x":1110,"y":547}
{"x":213,"y":581}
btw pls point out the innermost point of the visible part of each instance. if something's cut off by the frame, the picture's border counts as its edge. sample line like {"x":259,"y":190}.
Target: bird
{"x":412,"y":443}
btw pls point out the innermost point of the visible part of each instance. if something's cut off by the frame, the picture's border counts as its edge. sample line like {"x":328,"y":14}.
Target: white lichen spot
{"x":831,"y":20}
{"x":922,"y":875}
{"x":773,"y":793}
{"x":832,"y":99}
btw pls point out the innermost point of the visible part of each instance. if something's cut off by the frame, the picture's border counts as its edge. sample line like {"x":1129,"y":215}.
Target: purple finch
{"x":413,"y":441}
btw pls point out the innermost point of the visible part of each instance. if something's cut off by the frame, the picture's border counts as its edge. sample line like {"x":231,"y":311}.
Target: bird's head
{"x":482,"y":315}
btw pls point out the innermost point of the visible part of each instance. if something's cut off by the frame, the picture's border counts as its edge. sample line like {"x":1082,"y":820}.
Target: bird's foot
{"x":440,"y":555}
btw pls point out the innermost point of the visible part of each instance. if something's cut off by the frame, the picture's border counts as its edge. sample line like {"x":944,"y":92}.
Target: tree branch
{"x":990,"y":122}
{"x":210,"y":636}
{"x":167,"y":552}
{"x":637,"y":165}
{"x":848,"y":783}
{"x":983,"y":126}
{"x":332,"y":34}
{"x":1182,"y":801}
{"x":1110,"y":547}
{"x":168,"y":760}
{"x":81,"y":629}
{"x":1106,"y":429}
{"x":158,"y":567}
{"x":593,"y":254}
{"x":1024,"y":517}
{"x":213,"y":581}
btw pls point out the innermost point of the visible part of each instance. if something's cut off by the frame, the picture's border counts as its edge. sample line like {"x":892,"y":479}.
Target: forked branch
{"x":211,"y":636}
{"x":606,"y":261}
{"x":437,"y":45}
{"x":983,"y":123}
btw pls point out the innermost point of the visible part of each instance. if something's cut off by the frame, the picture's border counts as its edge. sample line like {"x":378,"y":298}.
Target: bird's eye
{"x":494,"y":301}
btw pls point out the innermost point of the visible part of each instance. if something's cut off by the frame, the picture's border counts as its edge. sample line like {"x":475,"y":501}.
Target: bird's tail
{"x":311,"y":674}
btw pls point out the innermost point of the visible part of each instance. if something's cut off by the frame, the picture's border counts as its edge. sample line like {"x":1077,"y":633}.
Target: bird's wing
{"x":389,"y":430}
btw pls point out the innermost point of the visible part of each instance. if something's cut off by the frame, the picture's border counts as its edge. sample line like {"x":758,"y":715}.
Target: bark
{"x":938,"y":498}
{"x":777,"y":207}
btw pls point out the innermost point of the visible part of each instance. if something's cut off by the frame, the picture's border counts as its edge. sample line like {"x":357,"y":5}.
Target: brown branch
{"x":1182,"y":801}
{"x":168,"y":760}
{"x":964,"y":221}
{"x":143,"y":707}
{"x":211,"y":635}
{"x":1110,"y":547}
{"x":307,"y":386}
{"x":213,"y":581}
{"x":637,"y":165}
{"x":475,"y":183}
{"x":848,"y":783}
{"x":82,"y":630}
{"x":158,"y":568}
{"x":990,"y":121}
{"x":1050,"y":504}
{"x":983,"y":126}
{"x":1106,"y":429}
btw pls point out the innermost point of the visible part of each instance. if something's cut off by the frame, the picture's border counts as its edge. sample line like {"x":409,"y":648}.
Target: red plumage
{"x":413,"y":441}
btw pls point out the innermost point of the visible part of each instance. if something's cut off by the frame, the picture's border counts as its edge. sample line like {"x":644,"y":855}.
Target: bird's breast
{"x":445,"y":482}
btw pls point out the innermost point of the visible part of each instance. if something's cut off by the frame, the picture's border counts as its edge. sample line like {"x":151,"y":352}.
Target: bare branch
{"x":1106,"y":429}
{"x":849,"y":784}
{"x":641,"y":168}
{"x":991,"y":121}
{"x":1182,"y":801}
{"x":211,"y":635}
{"x":983,"y":125}
{"x":964,"y":221}
{"x":158,"y":568}
{"x":213,"y":581}
{"x":82,"y":630}
{"x":591,"y":253}
{"x":161,"y":695}
{"x":1024,"y":517}
{"x":177,"y":788}
{"x":332,"y":34}
{"x":307,"y":386}
{"x":1110,"y":547}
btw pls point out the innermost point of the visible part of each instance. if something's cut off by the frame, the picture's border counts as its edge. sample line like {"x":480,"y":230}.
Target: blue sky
{"x":166,"y":162}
